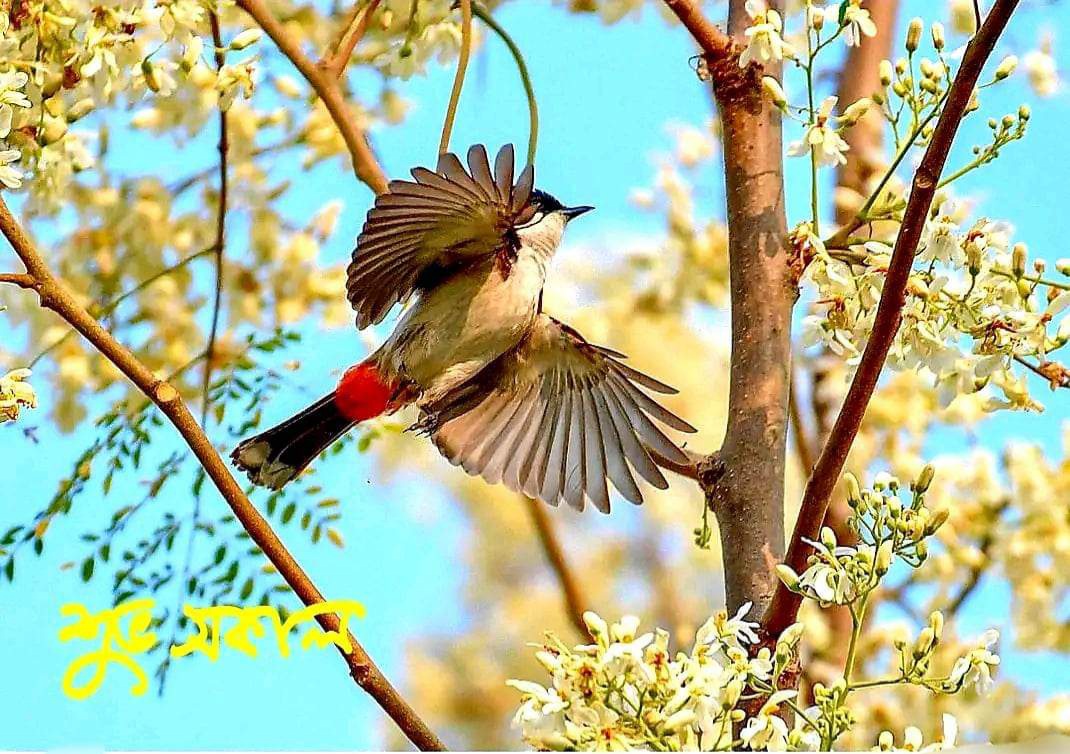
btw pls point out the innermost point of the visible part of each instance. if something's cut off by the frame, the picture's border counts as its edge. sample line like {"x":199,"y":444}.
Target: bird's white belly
{"x":457,"y":328}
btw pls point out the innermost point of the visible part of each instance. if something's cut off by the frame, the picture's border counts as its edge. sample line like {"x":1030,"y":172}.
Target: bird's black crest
{"x":545,"y":202}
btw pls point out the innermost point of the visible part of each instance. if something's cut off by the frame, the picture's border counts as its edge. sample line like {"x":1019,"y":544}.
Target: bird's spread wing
{"x":555,"y":418}
{"x":441,"y":219}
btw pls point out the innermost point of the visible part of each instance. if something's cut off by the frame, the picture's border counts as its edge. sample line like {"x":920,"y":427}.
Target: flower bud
{"x":1063,"y":266}
{"x":914,"y":34}
{"x":815,"y":17}
{"x":775,"y":92}
{"x":828,"y":537}
{"x":884,"y":557}
{"x":856,"y":110}
{"x":925,"y":642}
{"x":886,"y":73}
{"x":1006,"y":67}
{"x":1008,"y":121}
{"x":789,"y":638}
{"x":245,"y":39}
{"x":787,"y":575}
{"x":152,"y":81}
{"x":1019,"y":256}
{"x":930,"y":86}
{"x":80,"y":109}
{"x":938,"y":36}
{"x":679,"y":720}
{"x":939,"y":517}
{"x":925,"y":478}
{"x":853,"y":490}
{"x":595,"y":624}
{"x":1024,"y":113}
{"x":936,"y":621}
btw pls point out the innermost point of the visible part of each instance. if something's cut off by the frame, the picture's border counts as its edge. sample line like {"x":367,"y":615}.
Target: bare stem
{"x":458,"y":78}
{"x":525,"y":78}
{"x":219,"y":247}
{"x":785,"y":603}
{"x":55,"y":295}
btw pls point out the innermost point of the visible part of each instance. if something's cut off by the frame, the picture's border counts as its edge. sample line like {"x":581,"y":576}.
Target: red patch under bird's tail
{"x":274,"y":457}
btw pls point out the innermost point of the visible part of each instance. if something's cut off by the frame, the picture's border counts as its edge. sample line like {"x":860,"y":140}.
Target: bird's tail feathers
{"x":276,"y":456}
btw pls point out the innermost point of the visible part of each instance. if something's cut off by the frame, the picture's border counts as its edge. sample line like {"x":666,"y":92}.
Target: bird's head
{"x":545,"y":218}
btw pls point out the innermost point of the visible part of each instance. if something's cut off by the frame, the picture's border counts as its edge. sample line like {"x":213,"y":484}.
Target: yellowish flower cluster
{"x":16,"y":393}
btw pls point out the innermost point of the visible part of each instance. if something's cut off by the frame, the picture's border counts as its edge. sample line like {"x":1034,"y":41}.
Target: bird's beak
{"x":571,"y":213}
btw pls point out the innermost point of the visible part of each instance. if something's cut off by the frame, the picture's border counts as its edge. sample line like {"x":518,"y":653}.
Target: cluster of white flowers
{"x":626,"y":691}
{"x":12,"y":95}
{"x":15,"y":394}
{"x":764,"y":41}
{"x":975,"y":310}
{"x":886,"y":529}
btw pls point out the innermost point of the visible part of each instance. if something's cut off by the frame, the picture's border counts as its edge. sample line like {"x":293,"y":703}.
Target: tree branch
{"x":335,"y":60}
{"x":748,"y":496}
{"x":575,"y":602}
{"x":325,"y":84}
{"x":714,"y":42}
{"x":21,"y":279}
{"x":785,"y":604}
{"x":56,"y":296}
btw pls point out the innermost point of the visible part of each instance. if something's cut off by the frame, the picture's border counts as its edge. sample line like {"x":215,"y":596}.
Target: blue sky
{"x":606,"y":94}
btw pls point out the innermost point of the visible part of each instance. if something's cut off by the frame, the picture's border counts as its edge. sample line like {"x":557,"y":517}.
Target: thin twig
{"x":220,"y":232}
{"x":575,"y":603}
{"x":341,"y":50}
{"x":785,"y":603}
{"x":365,"y":165}
{"x":1059,"y":379}
{"x":112,"y":305}
{"x":55,"y":295}
{"x":458,"y":77}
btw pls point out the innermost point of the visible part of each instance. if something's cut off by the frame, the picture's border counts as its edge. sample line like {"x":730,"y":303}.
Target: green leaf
{"x":288,"y":512}
{"x":246,"y":589}
{"x":87,"y":569}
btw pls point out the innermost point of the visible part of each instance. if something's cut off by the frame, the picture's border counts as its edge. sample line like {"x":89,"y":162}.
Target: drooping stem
{"x":525,"y":78}
{"x":458,"y":77}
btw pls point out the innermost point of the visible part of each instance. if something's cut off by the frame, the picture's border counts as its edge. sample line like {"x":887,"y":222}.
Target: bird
{"x":502,"y":389}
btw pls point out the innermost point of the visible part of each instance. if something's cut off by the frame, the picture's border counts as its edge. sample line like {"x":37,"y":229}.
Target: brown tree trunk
{"x":747,"y":492}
